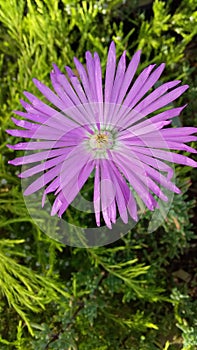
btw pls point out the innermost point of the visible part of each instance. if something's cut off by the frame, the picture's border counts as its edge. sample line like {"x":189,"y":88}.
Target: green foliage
{"x":158,"y":37}
{"x":129,"y":294}
{"x":23,"y":288}
{"x":185,"y":313}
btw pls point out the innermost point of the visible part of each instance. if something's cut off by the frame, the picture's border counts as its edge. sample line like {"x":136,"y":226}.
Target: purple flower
{"x":105,"y":131}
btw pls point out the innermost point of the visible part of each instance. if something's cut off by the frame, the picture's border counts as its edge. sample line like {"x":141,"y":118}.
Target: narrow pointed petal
{"x":90,"y":65}
{"x":120,"y":198}
{"x":169,"y":156}
{"x":131,"y":175}
{"x":84,"y":79}
{"x":28,"y":146}
{"x":110,"y":72}
{"x":153,"y":78}
{"x":137,"y":86}
{"x":162,"y":101}
{"x":69,"y":193}
{"x":107,"y":194}
{"x":98,"y":78}
{"x":130,"y":72}
{"x":43,"y":166}
{"x":153,"y":96}
{"x":49,"y":94}
{"x":120,"y":73}
{"x":155,"y":163}
{"x":36,"y":157}
{"x":129,"y":198}
{"x":169,"y":114}
{"x":97,"y":194}
{"x":42,"y":180}
{"x":77,"y":157}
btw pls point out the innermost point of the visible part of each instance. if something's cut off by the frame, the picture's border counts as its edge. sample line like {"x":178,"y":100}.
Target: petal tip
{"x":10,"y":146}
{"x":27,"y":192}
{"x":56,"y":69}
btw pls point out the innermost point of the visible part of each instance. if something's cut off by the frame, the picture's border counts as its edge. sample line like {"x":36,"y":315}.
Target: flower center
{"x":100,"y":142}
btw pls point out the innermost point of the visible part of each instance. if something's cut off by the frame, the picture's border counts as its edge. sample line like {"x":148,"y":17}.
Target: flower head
{"x":116,"y":131}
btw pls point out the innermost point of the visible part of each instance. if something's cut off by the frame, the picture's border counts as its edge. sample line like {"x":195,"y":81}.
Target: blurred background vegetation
{"x":138,"y":293}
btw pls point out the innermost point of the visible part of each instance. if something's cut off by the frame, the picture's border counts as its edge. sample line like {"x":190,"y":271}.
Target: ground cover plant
{"x":138,"y":293}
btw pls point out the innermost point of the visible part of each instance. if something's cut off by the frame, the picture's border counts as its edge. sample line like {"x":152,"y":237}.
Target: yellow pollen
{"x":101,"y":139}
